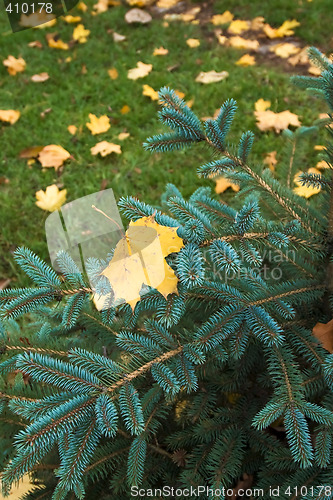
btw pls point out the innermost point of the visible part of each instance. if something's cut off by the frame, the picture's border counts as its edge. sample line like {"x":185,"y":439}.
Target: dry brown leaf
{"x":14,"y":65}
{"x":72,"y":129}
{"x":53,"y":156}
{"x":270,"y":160}
{"x":237,"y":27}
{"x":105,"y":148}
{"x":41,"y":77}
{"x":246,"y":60}
{"x":211,"y":76}
{"x":268,"y":120}
{"x":224,"y":18}
{"x":4,"y":282}
{"x":98,"y":125}
{"x":324,"y":333}
{"x":9,"y":115}
{"x":51,"y":199}
{"x":242,"y":43}
{"x":137,"y":16}
{"x":150,"y":92}
{"x":140,"y":71}
{"x":161,"y":51}
{"x":80,"y":34}
{"x":285,"y":50}
{"x":193,"y":42}
{"x":262,"y":105}
{"x":113,"y":73}
{"x":306,"y":191}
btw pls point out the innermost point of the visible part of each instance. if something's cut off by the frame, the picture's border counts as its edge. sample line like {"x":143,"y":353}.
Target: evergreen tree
{"x":220,"y":382}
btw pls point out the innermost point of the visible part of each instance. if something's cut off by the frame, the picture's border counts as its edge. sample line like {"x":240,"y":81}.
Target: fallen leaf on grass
{"x":270,"y":160}
{"x":262,"y":105}
{"x":40,"y":77}
{"x":166,"y":4}
{"x":150,"y":92}
{"x":137,"y":16}
{"x":285,"y":50}
{"x":160,"y":52}
{"x":139,"y":258}
{"x":224,"y":18}
{"x":186,"y":17}
{"x":193,"y":42}
{"x":53,"y":156}
{"x":105,"y":148}
{"x":123,"y":135}
{"x":268,"y":120}
{"x":319,"y":147}
{"x":222,"y":184}
{"x":314,"y":70}
{"x":140,"y":71}
{"x":98,"y":125}
{"x":57,"y":44}
{"x":306,"y":191}
{"x":246,"y":60}
{"x":257,"y":23}
{"x":71,"y":19}
{"x":237,"y":27}
{"x":31,"y":152}
{"x":211,"y":76}
{"x":324,"y":333}
{"x":9,"y":115}
{"x":284,"y":30}
{"x":242,"y":43}
{"x":72,"y":129}
{"x":117,"y":37}
{"x":113,"y":73}
{"x":14,"y":65}
{"x":82,"y":6}
{"x":300,"y":58}
{"x":322,"y":165}
{"x":51,"y":199}
{"x":80,"y":34}
{"x":125,"y":109}
{"x":35,"y":44}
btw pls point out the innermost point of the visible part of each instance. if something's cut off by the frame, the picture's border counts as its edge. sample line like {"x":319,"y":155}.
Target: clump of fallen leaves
{"x":9,"y":115}
{"x":98,"y":125}
{"x":105,"y":148}
{"x":51,"y":199}
{"x":14,"y":65}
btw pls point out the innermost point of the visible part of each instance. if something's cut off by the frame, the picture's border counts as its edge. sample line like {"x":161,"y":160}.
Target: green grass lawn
{"x":71,"y":94}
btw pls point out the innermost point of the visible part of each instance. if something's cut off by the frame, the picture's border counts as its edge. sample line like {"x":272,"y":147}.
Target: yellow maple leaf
{"x":262,"y":105}
{"x":105,"y":148}
{"x":211,"y":76}
{"x":284,"y":30}
{"x":53,"y":156}
{"x":242,"y":43}
{"x":161,"y":51}
{"x":57,"y":44}
{"x":224,"y":18}
{"x":71,"y":19}
{"x":285,"y":50}
{"x":14,"y":65}
{"x":237,"y":27}
{"x":80,"y":34}
{"x":98,"y":125}
{"x":268,"y":120}
{"x":125,"y":109}
{"x":9,"y":115}
{"x":306,"y":191}
{"x":246,"y":60}
{"x":150,"y":92}
{"x":140,"y":71}
{"x":51,"y":199}
{"x":139,"y":258}
{"x":193,"y":42}
{"x":113,"y":73}
{"x":270,"y":160}
{"x":222,"y":184}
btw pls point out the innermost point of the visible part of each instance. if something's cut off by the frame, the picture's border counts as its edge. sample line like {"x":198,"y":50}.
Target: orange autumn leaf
{"x":98,"y":125}
{"x":160,"y":51}
{"x":72,"y":129}
{"x":113,"y":73}
{"x":14,"y":65}
{"x":53,"y":156}
{"x":324,"y":333}
{"x":125,"y":109}
{"x":105,"y":148}
{"x":40,"y":77}
{"x":9,"y":115}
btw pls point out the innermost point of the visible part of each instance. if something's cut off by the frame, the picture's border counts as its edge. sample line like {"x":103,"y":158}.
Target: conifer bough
{"x":220,"y":382}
